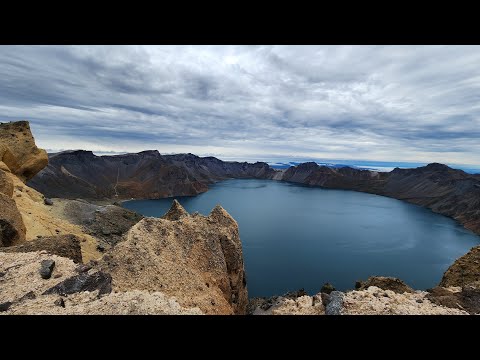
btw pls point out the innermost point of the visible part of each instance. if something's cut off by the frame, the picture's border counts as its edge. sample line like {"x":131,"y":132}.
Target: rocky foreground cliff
{"x":180,"y":264}
{"x":66,"y":256}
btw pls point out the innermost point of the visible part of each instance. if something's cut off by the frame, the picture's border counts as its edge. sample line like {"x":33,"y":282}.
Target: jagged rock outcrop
{"x":12,"y":228}
{"x":67,"y":246}
{"x":197,"y":259}
{"x":18,"y":150}
{"x":176,"y":212}
{"x":464,"y":271}
{"x":148,"y":175}
{"x":385,"y":283}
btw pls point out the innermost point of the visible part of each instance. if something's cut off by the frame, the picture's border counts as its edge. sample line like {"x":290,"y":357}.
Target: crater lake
{"x":296,"y":236}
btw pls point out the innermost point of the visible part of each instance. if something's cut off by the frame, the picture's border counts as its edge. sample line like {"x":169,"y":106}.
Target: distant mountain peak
{"x":150,"y":152}
{"x":76,"y":153}
{"x":308,"y":165}
{"x":437,"y":167}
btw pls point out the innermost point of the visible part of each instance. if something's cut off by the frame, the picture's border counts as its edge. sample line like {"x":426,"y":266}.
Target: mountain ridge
{"x":147,"y":174}
{"x":151,"y":175}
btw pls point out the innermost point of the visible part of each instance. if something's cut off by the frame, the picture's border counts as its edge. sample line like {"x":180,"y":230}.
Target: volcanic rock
{"x":146,"y":175}
{"x":46,"y":269}
{"x":87,"y":281}
{"x":335,"y":303}
{"x":62,"y":245}
{"x":108,"y":223}
{"x":176,"y":212}
{"x":197,"y":259}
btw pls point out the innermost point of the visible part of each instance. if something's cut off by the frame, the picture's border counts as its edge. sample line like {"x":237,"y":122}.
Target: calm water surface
{"x":296,"y":237}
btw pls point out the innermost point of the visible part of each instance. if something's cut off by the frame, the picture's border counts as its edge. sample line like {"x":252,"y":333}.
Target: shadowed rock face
{"x":19,"y":152}
{"x":198,"y":259}
{"x":81,"y":174}
{"x":62,"y":245}
{"x":12,"y":228}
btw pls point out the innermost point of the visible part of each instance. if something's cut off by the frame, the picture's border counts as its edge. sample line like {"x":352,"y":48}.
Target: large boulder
{"x":12,"y":228}
{"x":62,"y":245}
{"x":465,"y":270}
{"x":198,"y":259}
{"x":6,"y":184}
{"x":385,"y":283}
{"x":19,"y":152}
{"x":86,"y":281}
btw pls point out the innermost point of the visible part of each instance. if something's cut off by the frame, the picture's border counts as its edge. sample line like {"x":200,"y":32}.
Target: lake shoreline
{"x":262,"y":216}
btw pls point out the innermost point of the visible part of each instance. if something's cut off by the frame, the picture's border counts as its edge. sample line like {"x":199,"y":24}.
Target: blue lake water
{"x":296,"y":236}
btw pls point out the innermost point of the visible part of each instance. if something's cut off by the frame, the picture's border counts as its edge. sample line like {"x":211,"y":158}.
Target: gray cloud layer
{"x":394,"y":103}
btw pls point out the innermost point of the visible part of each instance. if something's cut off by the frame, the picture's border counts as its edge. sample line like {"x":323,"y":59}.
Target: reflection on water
{"x":299,"y":236}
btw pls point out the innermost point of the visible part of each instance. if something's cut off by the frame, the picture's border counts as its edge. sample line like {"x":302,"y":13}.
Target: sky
{"x":381,"y":103}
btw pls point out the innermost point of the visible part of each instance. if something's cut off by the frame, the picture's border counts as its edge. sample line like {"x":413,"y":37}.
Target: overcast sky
{"x":392,"y":103}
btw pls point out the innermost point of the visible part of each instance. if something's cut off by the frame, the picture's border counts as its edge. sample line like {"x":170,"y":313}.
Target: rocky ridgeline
{"x":147,"y":175}
{"x":150,"y":175}
{"x":69,"y":256}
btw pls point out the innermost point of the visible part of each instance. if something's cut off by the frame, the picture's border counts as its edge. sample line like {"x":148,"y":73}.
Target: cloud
{"x":386,"y":103}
